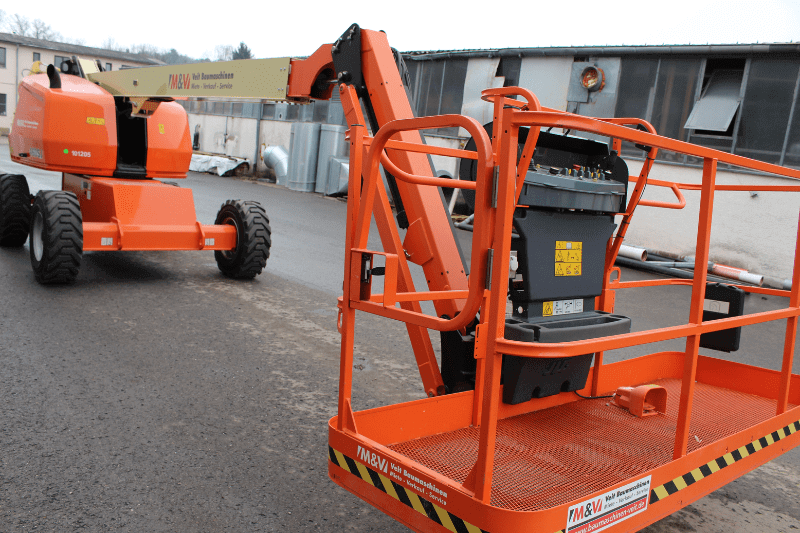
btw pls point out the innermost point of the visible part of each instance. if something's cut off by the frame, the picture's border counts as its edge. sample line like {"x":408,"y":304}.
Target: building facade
{"x":743,"y":99}
{"x":17,"y":55}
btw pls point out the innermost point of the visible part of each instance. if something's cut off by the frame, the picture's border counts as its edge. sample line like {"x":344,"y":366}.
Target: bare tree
{"x":223,"y":52}
{"x":69,"y":40}
{"x":42,"y":30}
{"x":148,"y":50}
{"x":111,"y":44}
{"x":19,"y":25}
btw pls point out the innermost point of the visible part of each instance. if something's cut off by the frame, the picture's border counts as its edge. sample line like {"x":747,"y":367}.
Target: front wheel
{"x":15,"y":210}
{"x":56,"y":237}
{"x":253,"y":239}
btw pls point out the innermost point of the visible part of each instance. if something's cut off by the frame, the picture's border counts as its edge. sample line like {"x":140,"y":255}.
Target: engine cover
{"x":79,"y":127}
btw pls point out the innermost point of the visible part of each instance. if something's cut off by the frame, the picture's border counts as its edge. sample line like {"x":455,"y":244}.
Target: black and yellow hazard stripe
{"x":426,"y":508}
{"x":681,"y":482}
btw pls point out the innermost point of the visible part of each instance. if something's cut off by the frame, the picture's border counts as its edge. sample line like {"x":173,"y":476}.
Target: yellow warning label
{"x":569,"y":258}
{"x":95,"y":120}
{"x":547,"y":309}
{"x":161,"y":129}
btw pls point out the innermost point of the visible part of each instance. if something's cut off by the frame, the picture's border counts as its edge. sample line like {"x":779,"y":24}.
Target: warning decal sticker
{"x":569,"y":258}
{"x":562,"y":307}
{"x":611,"y":508}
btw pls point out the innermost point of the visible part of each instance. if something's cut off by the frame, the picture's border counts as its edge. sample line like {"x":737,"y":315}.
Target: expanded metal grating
{"x":557,"y":455}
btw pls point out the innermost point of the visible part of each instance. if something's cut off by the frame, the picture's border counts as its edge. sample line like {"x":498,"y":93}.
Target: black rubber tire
{"x":253,"y":239}
{"x":56,"y":243}
{"x":15,"y":210}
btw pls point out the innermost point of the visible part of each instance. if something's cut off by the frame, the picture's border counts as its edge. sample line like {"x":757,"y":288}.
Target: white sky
{"x":275,"y":29}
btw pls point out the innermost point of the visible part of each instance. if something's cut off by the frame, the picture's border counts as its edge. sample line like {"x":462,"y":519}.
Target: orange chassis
{"x":121,"y":214}
{"x":467,"y":462}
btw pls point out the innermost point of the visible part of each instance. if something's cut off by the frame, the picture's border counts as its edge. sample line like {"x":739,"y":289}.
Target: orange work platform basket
{"x":473,"y":461}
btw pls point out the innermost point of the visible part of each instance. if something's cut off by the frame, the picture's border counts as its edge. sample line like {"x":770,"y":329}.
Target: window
{"x":635,"y":93}
{"x":2,"y":57}
{"x":715,"y":111}
{"x":437,"y":88}
{"x":57,"y":60}
{"x":509,"y":68}
{"x":2,"y":105}
{"x":108,"y":67}
{"x":637,"y":76}
{"x":792,"y":158}
{"x":766,"y":108}
{"x":37,"y":56}
{"x":675,"y":91}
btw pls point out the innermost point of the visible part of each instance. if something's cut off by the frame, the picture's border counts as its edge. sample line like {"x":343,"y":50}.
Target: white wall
{"x":753,"y":232}
{"x":547,"y":78}
{"x":15,"y":70}
{"x":448,"y":164}
{"x":240,"y":140}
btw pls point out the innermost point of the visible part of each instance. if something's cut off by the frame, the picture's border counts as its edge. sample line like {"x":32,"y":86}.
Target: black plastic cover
{"x":540,"y":231}
{"x":726,"y":340}
{"x":527,"y":377}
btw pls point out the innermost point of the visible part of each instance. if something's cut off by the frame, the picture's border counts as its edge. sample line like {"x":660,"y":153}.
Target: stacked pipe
{"x":637,"y":257}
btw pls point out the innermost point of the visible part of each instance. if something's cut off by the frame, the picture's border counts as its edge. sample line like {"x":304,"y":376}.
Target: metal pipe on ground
{"x":633,"y":252}
{"x":724,"y":271}
{"x":736,"y":273}
{"x":674,"y":272}
{"x":466,"y":223}
{"x":276,"y":158}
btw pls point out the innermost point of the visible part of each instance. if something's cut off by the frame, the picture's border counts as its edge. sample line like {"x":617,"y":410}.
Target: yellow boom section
{"x":247,"y":78}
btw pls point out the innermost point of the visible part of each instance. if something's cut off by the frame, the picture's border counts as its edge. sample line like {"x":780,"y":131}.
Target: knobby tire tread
{"x":62,"y":238}
{"x":255,"y":235}
{"x":15,"y":210}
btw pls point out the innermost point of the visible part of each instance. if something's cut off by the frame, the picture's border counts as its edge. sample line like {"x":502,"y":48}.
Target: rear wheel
{"x":15,"y":210}
{"x":253,"y":239}
{"x":56,"y":237}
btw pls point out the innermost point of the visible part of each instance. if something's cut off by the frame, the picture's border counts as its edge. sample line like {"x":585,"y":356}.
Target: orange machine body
{"x":74,"y":129}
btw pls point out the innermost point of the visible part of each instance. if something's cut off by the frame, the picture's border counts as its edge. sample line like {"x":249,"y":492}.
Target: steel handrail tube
{"x":666,"y":205}
{"x":639,"y":338}
{"x":483,"y":228}
{"x":610,"y":129}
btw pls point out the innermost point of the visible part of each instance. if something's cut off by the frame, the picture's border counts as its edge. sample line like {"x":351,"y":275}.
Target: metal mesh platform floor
{"x":557,"y":455}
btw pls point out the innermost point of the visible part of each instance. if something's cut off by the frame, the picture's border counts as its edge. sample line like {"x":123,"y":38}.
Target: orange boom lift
{"x":112,"y":150}
{"x":502,"y":443}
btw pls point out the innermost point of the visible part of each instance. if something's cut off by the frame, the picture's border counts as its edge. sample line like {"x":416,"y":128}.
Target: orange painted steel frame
{"x":428,"y":241}
{"x":142,"y":215}
{"x":362,"y":457}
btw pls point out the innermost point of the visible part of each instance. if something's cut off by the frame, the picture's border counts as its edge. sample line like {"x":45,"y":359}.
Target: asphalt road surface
{"x":154,"y":394}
